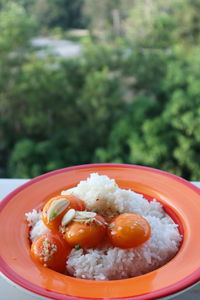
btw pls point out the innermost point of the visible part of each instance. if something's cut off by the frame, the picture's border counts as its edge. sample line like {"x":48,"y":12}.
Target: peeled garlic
{"x":56,"y":208}
{"x":83,"y":215}
{"x":68,"y":217}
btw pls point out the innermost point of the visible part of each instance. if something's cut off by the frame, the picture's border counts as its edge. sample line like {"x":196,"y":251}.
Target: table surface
{"x":9,"y":292}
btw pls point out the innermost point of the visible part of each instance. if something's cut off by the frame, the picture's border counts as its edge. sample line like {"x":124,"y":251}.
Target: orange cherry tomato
{"x":51,"y":250}
{"x":74,"y":203}
{"x":86,"y":235}
{"x":129,"y":230}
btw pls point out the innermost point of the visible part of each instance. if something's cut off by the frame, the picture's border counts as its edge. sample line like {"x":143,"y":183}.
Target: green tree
{"x":107,"y":17}
{"x":63,"y":124}
{"x":16,"y":28}
{"x":133,"y":101}
{"x":160,"y":24}
{"x":58,"y":13}
{"x":50,"y":113}
{"x":160,"y":128}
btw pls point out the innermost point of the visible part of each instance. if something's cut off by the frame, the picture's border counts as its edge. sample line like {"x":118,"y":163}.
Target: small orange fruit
{"x":129,"y":230}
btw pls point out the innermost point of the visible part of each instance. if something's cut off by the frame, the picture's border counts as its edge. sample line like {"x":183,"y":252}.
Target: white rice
{"x":37,"y":226}
{"x":110,"y":262}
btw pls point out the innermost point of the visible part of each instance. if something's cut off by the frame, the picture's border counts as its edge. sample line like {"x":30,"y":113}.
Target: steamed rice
{"x":108,"y":262}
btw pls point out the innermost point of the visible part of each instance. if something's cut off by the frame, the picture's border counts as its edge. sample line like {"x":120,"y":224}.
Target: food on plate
{"x":56,"y":207}
{"x":102,"y":232}
{"x":51,"y":250}
{"x":129,"y":230}
{"x":87,"y":230}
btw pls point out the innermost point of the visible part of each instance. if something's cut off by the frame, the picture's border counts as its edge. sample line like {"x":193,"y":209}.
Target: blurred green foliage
{"x":133,"y":96}
{"x":57,"y":13}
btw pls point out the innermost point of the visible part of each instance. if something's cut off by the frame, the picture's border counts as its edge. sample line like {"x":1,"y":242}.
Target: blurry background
{"x":89,"y":81}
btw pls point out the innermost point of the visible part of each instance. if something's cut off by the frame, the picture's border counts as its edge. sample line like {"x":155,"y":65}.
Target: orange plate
{"x":176,"y":194}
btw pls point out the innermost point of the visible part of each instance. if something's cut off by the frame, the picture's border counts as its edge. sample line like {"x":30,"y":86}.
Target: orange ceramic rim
{"x":177,"y":195}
